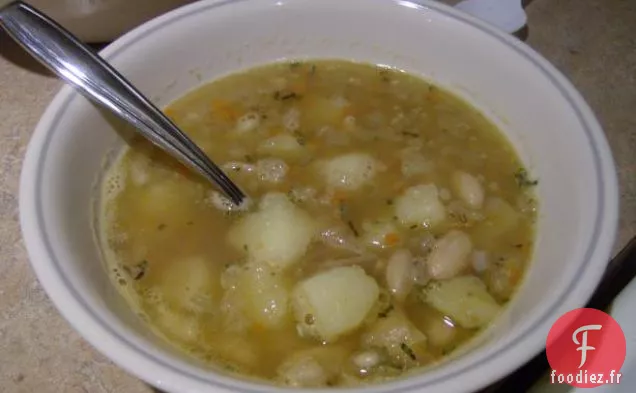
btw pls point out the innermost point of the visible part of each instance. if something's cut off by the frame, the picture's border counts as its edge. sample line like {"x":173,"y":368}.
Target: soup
{"x":389,"y":223}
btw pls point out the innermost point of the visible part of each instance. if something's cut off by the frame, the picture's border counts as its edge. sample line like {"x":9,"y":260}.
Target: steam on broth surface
{"x":390,"y":223}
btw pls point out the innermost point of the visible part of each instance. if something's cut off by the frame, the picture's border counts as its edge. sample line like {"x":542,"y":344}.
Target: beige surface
{"x":592,"y":41}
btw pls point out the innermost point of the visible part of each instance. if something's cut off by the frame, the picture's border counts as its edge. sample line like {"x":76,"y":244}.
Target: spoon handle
{"x":78,"y":65}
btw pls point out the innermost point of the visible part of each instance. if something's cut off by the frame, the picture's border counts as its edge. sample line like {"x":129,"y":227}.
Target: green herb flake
{"x":285,"y":95}
{"x":138,"y":271}
{"x":353,"y":228}
{"x":384,"y":74}
{"x":448,"y":350}
{"x":523,"y":178}
{"x":300,"y":138}
{"x":408,"y":350}
{"x":385,"y":313}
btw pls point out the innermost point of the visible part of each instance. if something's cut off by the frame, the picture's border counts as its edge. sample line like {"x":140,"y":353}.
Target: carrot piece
{"x":514,"y":276}
{"x":338,"y":197}
{"x":299,"y":86}
{"x":224,"y":110}
{"x":349,"y":110}
{"x":391,"y":239}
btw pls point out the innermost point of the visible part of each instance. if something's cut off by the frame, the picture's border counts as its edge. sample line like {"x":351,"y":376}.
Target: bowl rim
{"x":124,"y":351}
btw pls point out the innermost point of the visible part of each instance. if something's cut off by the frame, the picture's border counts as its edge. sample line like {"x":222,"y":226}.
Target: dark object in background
{"x":105,"y":20}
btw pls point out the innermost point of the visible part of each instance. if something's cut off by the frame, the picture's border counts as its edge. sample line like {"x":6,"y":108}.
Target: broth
{"x":390,"y":223}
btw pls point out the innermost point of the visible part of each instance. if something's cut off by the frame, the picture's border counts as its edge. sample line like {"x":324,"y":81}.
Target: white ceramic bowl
{"x":554,"y":130}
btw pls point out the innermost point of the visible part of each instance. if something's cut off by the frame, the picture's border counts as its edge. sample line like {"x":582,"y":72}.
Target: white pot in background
{"x":103,"y":20}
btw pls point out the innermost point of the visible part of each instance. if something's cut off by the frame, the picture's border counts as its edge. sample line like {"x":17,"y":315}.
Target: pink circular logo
{"x":585,"y":349}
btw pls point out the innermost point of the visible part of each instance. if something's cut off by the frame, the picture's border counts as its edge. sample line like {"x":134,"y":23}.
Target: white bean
{"x":291,"y":120}
{"x":420,"y":272}
{"x":248,"y":122}
{"x":469,"y":189}
{"x":399,"y":274}
{"x":480,"y":261}
{"x":367,"y":359}
{"x":449,"y":256}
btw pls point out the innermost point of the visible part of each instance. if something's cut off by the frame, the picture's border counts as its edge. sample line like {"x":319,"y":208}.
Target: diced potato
{"x":323,"y":110}
{"x":380,"y":233}
{"x":501,"y":218}
{"x":166,"y":199}
{"x":439,"y":331}
{"x":414,"y":162}
{"x":464,"y":299}
{"x":314,"y":367}
{"x":302,"y":372}
{"x":403,"y":342}
{"x":501,"y":214}
{"x":469,"y":189}
{"x":334,"y":302}
{"x":234,"y":317}
{"x":271,"y":170}
{"x":278,"y":233}
{"x":350,"y":171}
{"x":303,"y":195}
{"x":420,"y":205}
{"x":266,"y":296}
{"x":256,"y":295}
{"x":188,"y":283}
{"x":449,"y":256}
{"x":182,"y":326}
{"x":281,"y":145}
{"x":236,"y":349}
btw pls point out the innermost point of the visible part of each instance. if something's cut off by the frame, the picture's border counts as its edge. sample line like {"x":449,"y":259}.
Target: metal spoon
{"x":79,"y":66}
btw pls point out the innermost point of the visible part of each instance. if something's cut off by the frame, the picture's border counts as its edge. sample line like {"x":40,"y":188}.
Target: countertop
{"x":592,"y":41}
